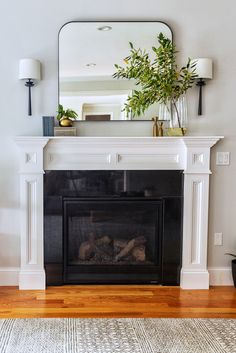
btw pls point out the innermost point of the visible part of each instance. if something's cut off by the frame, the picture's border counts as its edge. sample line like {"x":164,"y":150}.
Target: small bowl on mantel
{"x":65,"y":122}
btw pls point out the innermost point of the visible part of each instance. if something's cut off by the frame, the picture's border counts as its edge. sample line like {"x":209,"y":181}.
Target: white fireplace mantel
{"x":190,"y":154}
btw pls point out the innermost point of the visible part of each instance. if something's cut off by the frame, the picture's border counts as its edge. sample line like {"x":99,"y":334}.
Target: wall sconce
{"x":29,"y":70}
{"x":204,"y":71}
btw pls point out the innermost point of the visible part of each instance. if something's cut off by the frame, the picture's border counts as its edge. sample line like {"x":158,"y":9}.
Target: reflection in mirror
{"x":88,"y":52}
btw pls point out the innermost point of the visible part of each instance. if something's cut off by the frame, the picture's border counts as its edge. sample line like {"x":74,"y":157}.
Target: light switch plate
{"x":218,"y":239}
{"x":223,"y":158}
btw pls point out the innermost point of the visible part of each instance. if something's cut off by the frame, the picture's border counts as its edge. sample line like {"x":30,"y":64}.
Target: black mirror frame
{"x":101,"y":21}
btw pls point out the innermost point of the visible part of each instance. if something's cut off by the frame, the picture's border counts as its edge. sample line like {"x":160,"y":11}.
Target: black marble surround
{"x":147,"y":203}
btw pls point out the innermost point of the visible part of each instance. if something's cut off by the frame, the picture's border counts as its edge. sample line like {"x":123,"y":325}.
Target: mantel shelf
{"x":147,"y":138}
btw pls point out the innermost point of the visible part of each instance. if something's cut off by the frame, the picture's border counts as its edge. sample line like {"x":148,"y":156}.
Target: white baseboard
{"x":9,"y":276}
{"x":194,"y":279}
{"x":32,"y":279}
{"x":220,"y":276}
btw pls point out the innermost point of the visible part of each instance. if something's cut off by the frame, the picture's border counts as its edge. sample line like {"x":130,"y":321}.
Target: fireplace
{"x":190,"y":154}
{"x":113,"y":226}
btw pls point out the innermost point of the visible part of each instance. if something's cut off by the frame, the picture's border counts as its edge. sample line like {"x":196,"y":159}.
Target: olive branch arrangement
{"x":160,"y":80}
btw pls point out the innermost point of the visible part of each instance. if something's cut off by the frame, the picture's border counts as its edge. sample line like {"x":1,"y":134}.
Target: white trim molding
{"x":220,"y":276}
{"x":9,"y":276}
{"x":190,"y":154}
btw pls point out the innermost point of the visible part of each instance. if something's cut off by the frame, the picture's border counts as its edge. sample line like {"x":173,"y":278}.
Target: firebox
{"x":112,"y":240}
{"x":113,"y":226}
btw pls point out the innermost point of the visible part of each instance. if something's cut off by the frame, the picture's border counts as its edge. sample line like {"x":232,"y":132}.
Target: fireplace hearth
{"x":113,"y":226}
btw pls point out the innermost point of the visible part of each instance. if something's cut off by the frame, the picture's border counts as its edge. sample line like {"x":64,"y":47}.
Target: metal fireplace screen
{"x":106,"y":235}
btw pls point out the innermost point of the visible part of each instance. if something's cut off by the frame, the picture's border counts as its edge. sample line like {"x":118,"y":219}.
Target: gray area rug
{"x":117,"y":335}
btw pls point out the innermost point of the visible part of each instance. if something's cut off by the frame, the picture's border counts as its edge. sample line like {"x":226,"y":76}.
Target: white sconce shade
{"x":203,"y":71}
{"x":29,"y":69}
{"x":204,"y":68}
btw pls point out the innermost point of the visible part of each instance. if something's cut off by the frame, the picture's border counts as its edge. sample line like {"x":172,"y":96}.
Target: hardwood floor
{"x":118,"y":301}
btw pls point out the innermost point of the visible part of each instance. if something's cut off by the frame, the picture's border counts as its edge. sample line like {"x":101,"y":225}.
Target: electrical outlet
{"x":223,"y":158}
{"x":218,"y":239}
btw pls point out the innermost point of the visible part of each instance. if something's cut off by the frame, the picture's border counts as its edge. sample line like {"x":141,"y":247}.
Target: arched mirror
{"x":88,"y":52}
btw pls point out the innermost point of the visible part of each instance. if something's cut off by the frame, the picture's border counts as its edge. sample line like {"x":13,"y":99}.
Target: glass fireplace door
{"x":112,"y":240}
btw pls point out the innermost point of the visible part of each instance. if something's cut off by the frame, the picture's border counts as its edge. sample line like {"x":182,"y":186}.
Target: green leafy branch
{"x":159,"y":80}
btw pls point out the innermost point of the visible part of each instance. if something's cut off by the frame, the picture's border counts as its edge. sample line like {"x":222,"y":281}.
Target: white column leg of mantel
{"x":32,"y":274}
{"x":194,"y":273}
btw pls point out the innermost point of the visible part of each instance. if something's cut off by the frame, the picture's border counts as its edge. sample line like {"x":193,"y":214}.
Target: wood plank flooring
{"x":118,"y":301}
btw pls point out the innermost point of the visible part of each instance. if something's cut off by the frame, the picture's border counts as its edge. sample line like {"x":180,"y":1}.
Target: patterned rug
{"x":117,"y":335}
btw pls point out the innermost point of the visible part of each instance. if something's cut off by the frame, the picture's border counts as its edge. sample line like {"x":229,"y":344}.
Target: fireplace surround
{"x":191,"y":154}
{"x":113,"y":226}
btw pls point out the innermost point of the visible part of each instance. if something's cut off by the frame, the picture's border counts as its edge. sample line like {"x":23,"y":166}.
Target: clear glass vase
{"x":176,"y":113}
{"x":179,"y":113}
{"x":164,"y":112}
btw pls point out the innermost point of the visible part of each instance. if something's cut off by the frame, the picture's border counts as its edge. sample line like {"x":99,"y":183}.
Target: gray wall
{"x":30,"y":28}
